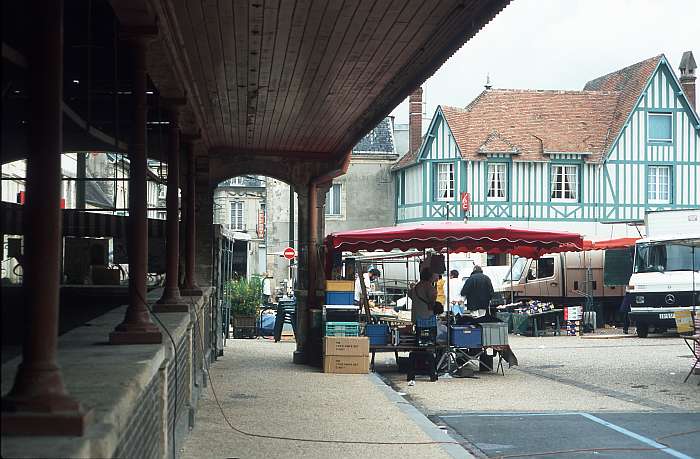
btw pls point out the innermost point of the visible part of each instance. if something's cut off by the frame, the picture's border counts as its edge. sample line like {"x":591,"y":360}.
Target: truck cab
{"x":665,"y":279}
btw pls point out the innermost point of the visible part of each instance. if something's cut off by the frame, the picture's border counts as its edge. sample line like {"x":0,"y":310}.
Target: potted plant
{"x":244,"y":296}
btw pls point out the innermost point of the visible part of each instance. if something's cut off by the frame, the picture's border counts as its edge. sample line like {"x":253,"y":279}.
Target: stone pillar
{"x":171,"y":301}
{"x":204,"y":222}
{"x":302,"y":283}
{"x":191,"y":288}
{"x":38,"y":403}
{"x":137,"y":327}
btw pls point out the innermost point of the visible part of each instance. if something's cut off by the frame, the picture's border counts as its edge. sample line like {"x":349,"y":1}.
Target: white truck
{"x":666,"y":273}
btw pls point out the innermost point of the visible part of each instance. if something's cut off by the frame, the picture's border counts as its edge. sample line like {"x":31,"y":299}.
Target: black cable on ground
{"x":360,"y":442}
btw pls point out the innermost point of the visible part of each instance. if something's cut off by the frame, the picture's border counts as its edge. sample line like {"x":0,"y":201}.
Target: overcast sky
{"x":561,"y":44}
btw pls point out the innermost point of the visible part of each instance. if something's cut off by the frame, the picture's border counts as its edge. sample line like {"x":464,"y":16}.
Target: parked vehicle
{"x":666,"y":270}
{"x":569,"y":279}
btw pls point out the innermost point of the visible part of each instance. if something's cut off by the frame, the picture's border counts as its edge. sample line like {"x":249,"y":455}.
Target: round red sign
{"x":289,"y":253}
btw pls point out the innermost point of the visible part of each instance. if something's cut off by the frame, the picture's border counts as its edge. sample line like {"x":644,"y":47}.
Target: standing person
{"x":423,"y":296}
{"x":440,"y":285}
{"x":266,"y":288}
{"x":368,"y":277}
{"x":477,"y":291}
{"x":456,"y":301}
{"x":625,"y":308}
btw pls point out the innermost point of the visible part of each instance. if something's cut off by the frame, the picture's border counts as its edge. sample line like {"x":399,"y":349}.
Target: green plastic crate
{"x":342,"y":329}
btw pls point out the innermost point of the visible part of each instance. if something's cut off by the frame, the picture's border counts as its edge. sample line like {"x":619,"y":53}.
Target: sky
{"x":561,"y":44}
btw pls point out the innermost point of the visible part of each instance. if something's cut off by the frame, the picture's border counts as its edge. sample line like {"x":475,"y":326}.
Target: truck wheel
{"x":642,"y":330}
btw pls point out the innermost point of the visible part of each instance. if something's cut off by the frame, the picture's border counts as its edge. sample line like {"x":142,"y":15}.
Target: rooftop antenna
{"x":488,"y":82}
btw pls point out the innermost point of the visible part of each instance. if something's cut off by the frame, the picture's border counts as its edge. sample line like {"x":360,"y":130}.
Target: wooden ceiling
{"x":301,"y":77}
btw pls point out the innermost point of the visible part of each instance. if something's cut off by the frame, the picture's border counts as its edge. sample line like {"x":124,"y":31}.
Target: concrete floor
{"x":262,"y":392}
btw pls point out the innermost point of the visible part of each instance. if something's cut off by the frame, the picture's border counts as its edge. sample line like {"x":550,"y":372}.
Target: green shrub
{"x":244,"y":295}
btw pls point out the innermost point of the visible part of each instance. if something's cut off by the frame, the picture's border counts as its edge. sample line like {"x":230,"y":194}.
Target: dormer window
{"x":660,"y":127}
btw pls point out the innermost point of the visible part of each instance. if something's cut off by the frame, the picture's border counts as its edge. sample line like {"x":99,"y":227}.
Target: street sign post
{"x":289,"y":253}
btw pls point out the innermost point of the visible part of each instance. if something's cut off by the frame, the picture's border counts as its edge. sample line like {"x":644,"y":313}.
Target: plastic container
{"x":342,"y":329}
{"x":340,"y":286}
{"x":378,"y":334}
{"x":494,"y":333}
{"x":506,"y":317}
{"x":341,"y":313}
{"x":340,"y":297}
{"x":466,"y":336}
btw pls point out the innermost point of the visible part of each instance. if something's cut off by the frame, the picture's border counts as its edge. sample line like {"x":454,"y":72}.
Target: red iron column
{"x":38,"y":403}
{"x":191,"y":287}
{"x":171,"y":301}
{"x":137,"y":327}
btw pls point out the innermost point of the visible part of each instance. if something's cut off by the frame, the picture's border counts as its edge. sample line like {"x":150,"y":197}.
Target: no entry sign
{"x":289,"y":253}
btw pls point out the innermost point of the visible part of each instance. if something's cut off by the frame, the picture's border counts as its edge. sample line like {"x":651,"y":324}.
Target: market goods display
{"x":534,"y":307}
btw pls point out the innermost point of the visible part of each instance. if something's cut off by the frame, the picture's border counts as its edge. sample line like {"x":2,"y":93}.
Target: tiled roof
{"x":406,"y":160}
{"x":380,"y":140}
{"x":629,"y":82}
{"x":530,"y":123}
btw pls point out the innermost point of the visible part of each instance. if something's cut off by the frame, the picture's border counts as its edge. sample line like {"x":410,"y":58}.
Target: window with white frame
{"x":660,"y":127}
{"x":445,"y":182}
{"x":659,"y":184}
{"x":333,"y":200}
{"x":564,"y":183}
{"x":237,"y":216}
{"x":497,"y":181}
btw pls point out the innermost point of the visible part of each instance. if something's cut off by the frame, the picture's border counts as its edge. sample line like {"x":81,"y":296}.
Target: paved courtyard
{"x":622,"y":396}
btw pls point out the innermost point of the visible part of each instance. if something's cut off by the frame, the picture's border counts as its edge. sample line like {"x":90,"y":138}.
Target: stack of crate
{"x":340,"y":316}
{"x":347,"y":355}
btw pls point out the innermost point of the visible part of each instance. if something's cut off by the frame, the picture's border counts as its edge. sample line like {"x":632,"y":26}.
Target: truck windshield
{"x":517,"y":270}
{"x":660,"y":257}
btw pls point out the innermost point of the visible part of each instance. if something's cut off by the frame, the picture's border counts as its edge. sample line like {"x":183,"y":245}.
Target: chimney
{"x":415,"y":119}
{"x":687,"y":68}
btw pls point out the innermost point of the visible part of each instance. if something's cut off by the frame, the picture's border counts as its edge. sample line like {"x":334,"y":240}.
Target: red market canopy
{"x":621,"y":243}
{"x":457,"y":237}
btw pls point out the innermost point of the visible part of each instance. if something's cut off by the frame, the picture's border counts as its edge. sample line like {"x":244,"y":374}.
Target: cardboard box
{"x":346,"y":364}
{"x":340,"y":286}
{"x":346,"y":346}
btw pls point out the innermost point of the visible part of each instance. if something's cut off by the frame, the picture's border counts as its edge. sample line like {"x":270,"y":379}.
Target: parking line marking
{"x":648,"y":441}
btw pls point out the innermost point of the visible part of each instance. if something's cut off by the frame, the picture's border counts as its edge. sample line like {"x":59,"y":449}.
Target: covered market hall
{"x":208,"y":91}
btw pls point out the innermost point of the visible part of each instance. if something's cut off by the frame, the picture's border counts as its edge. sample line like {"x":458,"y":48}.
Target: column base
{"x":170,"y":305}
{"x":43,"y":415}
{"x":299,"y":357}
{"x":136,"y":334}
{"x":192,"y":291}
{"x":71,"y":424}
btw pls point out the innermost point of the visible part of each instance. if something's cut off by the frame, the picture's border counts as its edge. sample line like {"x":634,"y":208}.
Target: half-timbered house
{"x":587,"y":161}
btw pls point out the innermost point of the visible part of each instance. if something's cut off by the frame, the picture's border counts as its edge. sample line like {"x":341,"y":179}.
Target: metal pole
{"x":38,"y":403}
{"x":137,"y":327}
{"x":171,"y":301}
{"x":191,"y":288}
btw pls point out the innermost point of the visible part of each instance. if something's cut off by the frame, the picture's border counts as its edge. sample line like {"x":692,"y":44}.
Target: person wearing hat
{"x":369,"y":277}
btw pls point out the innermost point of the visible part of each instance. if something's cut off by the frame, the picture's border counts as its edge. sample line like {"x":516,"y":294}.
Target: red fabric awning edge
{"x":458,"y":237}
{"x":620,"y":243}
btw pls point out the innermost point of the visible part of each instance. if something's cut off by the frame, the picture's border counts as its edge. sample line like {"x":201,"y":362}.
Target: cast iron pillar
{"x":171,"y":301}
{"x":191,"y":288}
{"x":137,"y":327}
{"x":38,"y":403}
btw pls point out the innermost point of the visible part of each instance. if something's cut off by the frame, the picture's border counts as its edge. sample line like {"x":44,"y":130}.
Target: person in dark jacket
{"x":477,"y":291}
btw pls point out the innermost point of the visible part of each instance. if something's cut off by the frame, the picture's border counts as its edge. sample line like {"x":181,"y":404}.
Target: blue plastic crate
{"x":426,"y":323}
{"x":340,"y":297}
{"x":466,"y":336}
{"x":342,"y":329}
{"x":378,"y":340}
{"x":376,"y":329}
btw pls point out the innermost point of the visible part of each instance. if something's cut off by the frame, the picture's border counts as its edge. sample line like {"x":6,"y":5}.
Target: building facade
{"x":240,"y":206}
{"x":589,"y":161}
